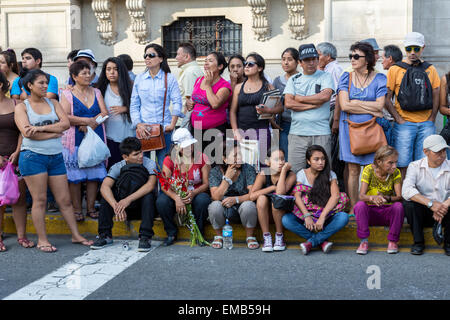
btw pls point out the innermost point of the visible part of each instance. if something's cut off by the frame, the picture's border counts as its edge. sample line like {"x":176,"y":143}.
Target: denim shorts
{"x":408,"y":140}
{"x":32,"y":163}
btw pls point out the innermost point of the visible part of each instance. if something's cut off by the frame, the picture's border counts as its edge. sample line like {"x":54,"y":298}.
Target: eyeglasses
{"x":249,"y":64}
{"x":411,"y":48}
{"x":149,"y":55}
{"x":355,"y":56}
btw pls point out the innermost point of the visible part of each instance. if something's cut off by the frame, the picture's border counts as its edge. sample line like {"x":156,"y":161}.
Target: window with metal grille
{"x":205,"y":33}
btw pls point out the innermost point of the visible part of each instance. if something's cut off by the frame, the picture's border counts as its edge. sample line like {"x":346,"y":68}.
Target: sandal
{"x":92,"y":214}
{"x":85,"y":242}
{"x":79,"y":217}
{"x":217,"y":242}
{"x":25,"y":243}
{"x":2,"y":245}
{"x":252,"y":244}
{"x":47,"y":248}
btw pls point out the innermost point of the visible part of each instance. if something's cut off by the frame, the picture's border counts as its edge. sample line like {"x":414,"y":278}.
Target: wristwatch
{"x":430,"y":204}
{"x":230,"y":182}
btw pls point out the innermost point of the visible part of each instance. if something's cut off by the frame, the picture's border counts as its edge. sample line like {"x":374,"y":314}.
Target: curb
{"x":56,"y":225}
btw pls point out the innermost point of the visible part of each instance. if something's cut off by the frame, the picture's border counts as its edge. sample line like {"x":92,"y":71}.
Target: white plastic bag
{"x":92,"y":150}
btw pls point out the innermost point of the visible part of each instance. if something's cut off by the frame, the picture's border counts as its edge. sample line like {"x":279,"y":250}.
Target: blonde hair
{"x":383,"y":153}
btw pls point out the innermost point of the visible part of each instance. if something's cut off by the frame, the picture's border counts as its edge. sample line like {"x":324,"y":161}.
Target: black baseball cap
{"x":308,"y":51}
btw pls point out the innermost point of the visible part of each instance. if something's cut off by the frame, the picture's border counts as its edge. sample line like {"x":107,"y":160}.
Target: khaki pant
{"x":247,"y":212}
{"x":298,"y":146}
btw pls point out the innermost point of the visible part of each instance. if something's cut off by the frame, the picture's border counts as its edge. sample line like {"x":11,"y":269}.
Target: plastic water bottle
{"x":227,"y":234}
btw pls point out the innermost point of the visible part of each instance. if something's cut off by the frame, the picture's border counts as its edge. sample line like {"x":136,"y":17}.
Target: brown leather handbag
{"x":156,"y":140}
{"x":365,"y":137}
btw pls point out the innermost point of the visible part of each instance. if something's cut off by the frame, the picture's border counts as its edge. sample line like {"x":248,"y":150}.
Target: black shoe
{"x":417,"y":249}
{"x":447,"y":250}
{"x":144,"y":244}
{"x":170,"y":240}
{"x":101,"y":242}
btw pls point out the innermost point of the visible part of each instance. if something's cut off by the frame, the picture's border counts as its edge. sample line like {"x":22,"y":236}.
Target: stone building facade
{"x":112,"y":27}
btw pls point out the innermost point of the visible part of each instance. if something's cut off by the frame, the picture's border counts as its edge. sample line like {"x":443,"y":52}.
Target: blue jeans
{"x":408,"y":140}
{"x":332,"y":225}
{"x":286,"y":126}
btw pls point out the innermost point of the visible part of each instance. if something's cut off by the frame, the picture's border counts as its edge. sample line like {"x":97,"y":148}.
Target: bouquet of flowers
{"x":179,"y":184}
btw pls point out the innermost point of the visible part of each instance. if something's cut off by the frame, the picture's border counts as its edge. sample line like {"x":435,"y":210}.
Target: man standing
{"x":426,"y":190}
{"x":390,"y":56}
{"x":88,"y":56}
{"x":415,"y":84}
{"x":308,"y":95}
{"x":190,"y":71}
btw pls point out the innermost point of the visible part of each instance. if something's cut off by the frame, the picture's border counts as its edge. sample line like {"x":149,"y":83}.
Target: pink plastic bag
{"x":9,"y":185}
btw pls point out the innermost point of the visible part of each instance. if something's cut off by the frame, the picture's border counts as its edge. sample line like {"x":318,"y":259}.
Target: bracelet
{"x":237,"y":200}
{"x":306,"y":215}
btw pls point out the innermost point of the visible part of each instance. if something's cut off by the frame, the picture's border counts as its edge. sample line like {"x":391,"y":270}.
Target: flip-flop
{"x":2,"y":246}
{"x":92,"y":214}
{"x":86,"y":243}
{"x":79,"y":217}
{"x":28,"y":243}
{"x":52,"y":249}
{"x":218,"y":240}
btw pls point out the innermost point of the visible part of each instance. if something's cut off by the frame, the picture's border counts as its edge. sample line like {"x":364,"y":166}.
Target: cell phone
{"x":101,"y":119}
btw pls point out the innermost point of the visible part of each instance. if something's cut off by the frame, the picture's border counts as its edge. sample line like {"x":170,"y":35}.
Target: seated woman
{"x":319,"y":205}
{"x":279,"y":180}
{"x":380,"y":199}
{"x":230,"y":185}
{"x":83,"y":105}
{"x":169,"y":203}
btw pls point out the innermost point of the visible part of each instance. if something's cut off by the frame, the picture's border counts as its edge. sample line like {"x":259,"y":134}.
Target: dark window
{"x":205,"y":33}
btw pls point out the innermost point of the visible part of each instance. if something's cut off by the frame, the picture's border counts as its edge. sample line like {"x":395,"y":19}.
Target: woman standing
{"x":83,"y":105}
{"x":147,"y":99}
{"x":210,"y":98}
{"x":360,"y":100}
{"x":280,"y":180}
{"x":236,"y":69}
{"x":380,"y":199}
{"x":230,"y":186}
{"x":42,"y":122}
{"x":319,"y":205}
{"x":246,"y":104}
{"x":289,"y":63}
{"x":10,"y":142}
{"x":195,"y":166}
{"x":115,"y":85}
{"x":8,"y":65}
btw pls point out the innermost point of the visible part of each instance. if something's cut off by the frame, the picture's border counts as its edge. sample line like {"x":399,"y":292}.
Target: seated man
{"x":426,"y":190}
{"x":128,"y":193}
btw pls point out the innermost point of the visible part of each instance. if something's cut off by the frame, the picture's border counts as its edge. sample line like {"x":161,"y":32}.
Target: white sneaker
{"x":267,"y":247}
{"x":279,"y":242}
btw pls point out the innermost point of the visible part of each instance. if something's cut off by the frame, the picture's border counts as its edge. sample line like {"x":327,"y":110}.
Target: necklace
{"x":361,"y":84}
{"x":83,"y":95}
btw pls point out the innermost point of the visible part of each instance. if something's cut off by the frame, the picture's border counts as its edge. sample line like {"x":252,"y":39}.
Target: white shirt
{"x":420,"y":180}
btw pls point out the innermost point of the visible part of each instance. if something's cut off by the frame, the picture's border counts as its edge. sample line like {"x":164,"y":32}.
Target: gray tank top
{"x":50,"y":146}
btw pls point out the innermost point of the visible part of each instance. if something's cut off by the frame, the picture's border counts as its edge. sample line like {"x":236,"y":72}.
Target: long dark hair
{"x":320,"y":192}
{"x":11,"y":60}
{"x":162,"y":54}
{"x":124,"y":83}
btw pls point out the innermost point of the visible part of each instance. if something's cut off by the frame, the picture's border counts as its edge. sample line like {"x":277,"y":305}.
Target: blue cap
{"x":373,"y":43}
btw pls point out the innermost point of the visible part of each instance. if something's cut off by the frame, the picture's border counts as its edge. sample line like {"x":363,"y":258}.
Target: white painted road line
{"x":84,"y":274}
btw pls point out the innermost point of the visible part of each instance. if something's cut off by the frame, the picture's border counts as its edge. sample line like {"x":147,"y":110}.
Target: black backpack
{"x":132,"y":177}
{"x":415,"y":92}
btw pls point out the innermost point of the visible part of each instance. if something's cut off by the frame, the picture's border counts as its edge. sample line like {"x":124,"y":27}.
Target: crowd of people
{"x":327,"y":125}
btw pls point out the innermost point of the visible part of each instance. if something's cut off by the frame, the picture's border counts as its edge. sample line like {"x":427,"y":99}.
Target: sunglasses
{"x":149,"y":55}
{"x":411,"y":48}
{"x":249,"y":64}
{"x":355,"y":56}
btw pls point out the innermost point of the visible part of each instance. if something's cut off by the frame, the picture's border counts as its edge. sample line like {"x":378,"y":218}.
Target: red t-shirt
{"x":194,"y":173}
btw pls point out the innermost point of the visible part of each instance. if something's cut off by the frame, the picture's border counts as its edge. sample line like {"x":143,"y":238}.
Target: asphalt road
{"x":180,"y":272}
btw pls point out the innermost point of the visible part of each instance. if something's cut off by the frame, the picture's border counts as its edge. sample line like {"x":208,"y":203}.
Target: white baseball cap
{"x":414,"y":39}
{"x":435,"y":143}
{"x":183,"y":138}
